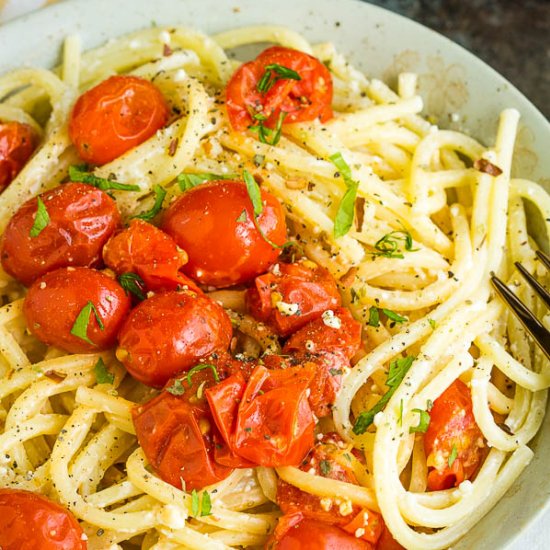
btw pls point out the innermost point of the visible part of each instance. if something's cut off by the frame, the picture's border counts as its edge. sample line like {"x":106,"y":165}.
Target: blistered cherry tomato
{"x":295,"y":533}
{"x":147,"y":251}
{"x":115,"y":116}
{"x":56,"y":300}
{"x":266,"y":420}
{"x":453,"y":442}
{"x":298,"y":100}
{"x":81,"y":220}
{"x":29,"y":521}
{"x":214,"y":224}
{"x":17,"y":143}
{"x":291,"y":295}
{"x":168,"y":334}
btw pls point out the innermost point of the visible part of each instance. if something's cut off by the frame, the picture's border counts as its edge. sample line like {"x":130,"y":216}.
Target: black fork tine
{"x":544,"y":258}
{"x":532,"y":325}
{"x":534,"y":284}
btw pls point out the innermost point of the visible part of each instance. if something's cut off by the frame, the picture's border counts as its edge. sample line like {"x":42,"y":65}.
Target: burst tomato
{"x":150,"y":253}
{"x":17,"y":143}
{"x":56,"y":300}
{"x":268,"y":420}
{"x":295,"y":533}
{"x":301,"y":100}
{"x":32,"y":522}
{"x":115,"y":116}
{"x":81,"y":220}
{"x":168,"y":334}
{"x":453,"y":442}
{"x":291,"y":295}
{"x":213,"y":223}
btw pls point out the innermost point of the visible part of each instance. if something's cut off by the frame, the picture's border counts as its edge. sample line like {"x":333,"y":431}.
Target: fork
{"x":532,"y":325}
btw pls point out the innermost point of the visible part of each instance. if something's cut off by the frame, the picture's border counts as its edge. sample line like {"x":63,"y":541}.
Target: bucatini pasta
{"x":433,"y":213}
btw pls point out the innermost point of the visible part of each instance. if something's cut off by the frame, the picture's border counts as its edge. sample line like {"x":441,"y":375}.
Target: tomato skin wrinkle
{"x":168,"y":333}
{"x":29,"y":521}
{"x":81,"y":220}
{"x":115,"y":116}
{"x":17,"y":144}
{"x":223,"y":248}
{"x":55,"y":300}
{"x":301,"y":100}
{"x":304,"y":285}
{"x":452,"y":426}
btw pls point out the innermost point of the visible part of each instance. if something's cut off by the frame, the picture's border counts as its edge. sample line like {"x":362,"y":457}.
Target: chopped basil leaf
{"x":253,"y":192}
{"x":41,"y":219}
{"x":188,"y":181}
{"x":206,"y":504}
{"x":400,"y":419}
{"x":102,"y":374}
{"x":80,"y":326}
{"x":325,"y":467}
{"x":452,"y":456}
{"x":81,"y":174}
{"x":177,"y":388}
{"x":423,"y":422}
{"x":394,"y":316}
{"x":335,"y":372}
{"x":398,"y":370}
{"x":200,"y":367}
{"x":374,"y":317}
{"x":242,"y":217}
{"x":272,"y":74}
{"x":265,"y":133}
{"x":132,"y":282}
{"x":388,"y":245}
{"x":160,"y":193}
{"x":432,"y":323}
{"x":346,"y":209}
{"x":194,"y":503}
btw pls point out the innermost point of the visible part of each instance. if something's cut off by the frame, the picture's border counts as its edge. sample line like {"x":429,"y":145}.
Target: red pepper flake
{"x":359,"y":213}
{"x":167,"y":50}
{"x":173,"y":147}
{"x":483,"y":165}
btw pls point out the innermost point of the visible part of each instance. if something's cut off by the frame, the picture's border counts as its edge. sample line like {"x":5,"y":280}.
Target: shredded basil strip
{"x":423,"y":422}
{"x":188,"y":181}
{"x":388,"y":245}
{"x":41,"y":219}
{"x":394,"y":316}
{"x":81,"y":174}
{"x":200,"y":367}
{"x":102,"y":374}
{"x":265,"y":133}
{"x":374,"y":317}
{"x":432,"y":322}
{"x":132,"y":282}
{"x":346,"y":209}
{"x":242,"y":217}
{"x":194,"y":503}
{"x":177,"y":388}
{"x":206,"y":504}
{"x":452,"y":456}
{"x":160,"y":194}
{"x":272,"y":74}
{"x":398,"y":370}
{"x":80,"y":326}
{"x":253,"y":192}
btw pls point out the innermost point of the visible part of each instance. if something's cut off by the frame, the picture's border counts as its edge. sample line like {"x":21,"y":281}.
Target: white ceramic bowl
{"x":459,"y":89}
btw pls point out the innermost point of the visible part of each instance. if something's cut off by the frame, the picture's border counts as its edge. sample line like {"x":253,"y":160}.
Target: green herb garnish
{"x":273,"y":73}
{"x":188,"y":181}
{"x":41,"y":219}
{"x":200,"y":367}
{"x":177,"y":388}
{"x":102,"y":374}
{"x":80,"y":326}
{"x":266,"y":134}
{"x":194,"y":503}
{"x":206,"y":504}
{"x":202,"y":505}
{"x":398,"y":370}
{"x":346,"y":209}
{"x":374,"y":317}
{"x":81,"y":174}
{"x":325,"y":467}
{"x":433,"y":324}
{"x":452,"y":456}
{"x":148,"y":215}
{"x":388,"y":245}
{"x":423,"y":422}
{"x":394,"y":316}
{"x":132,"y":282}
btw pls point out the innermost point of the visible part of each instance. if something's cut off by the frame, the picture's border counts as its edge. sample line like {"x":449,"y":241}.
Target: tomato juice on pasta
{"x":249,"y":304}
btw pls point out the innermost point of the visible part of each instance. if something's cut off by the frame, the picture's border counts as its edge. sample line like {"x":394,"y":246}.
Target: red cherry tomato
{"x":223,"y":244}
{"x":17,"y":143}
{"x":453,"y":442}
{"x":291,"y":295}
{"x":32,"y":522}
{"x":300,"y":100}
{"x":169,"y":333}
{"x":296,"y":533}
{"x":115,"y":116}
{"x":55,"y":301}
{"x":268,"y":420}
{"x":147,"y":251}
{"x":81,"y":220}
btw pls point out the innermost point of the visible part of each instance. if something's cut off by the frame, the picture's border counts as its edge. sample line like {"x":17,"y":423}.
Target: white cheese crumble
{"x":330,"y":320}
{"x":287,"y":309}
